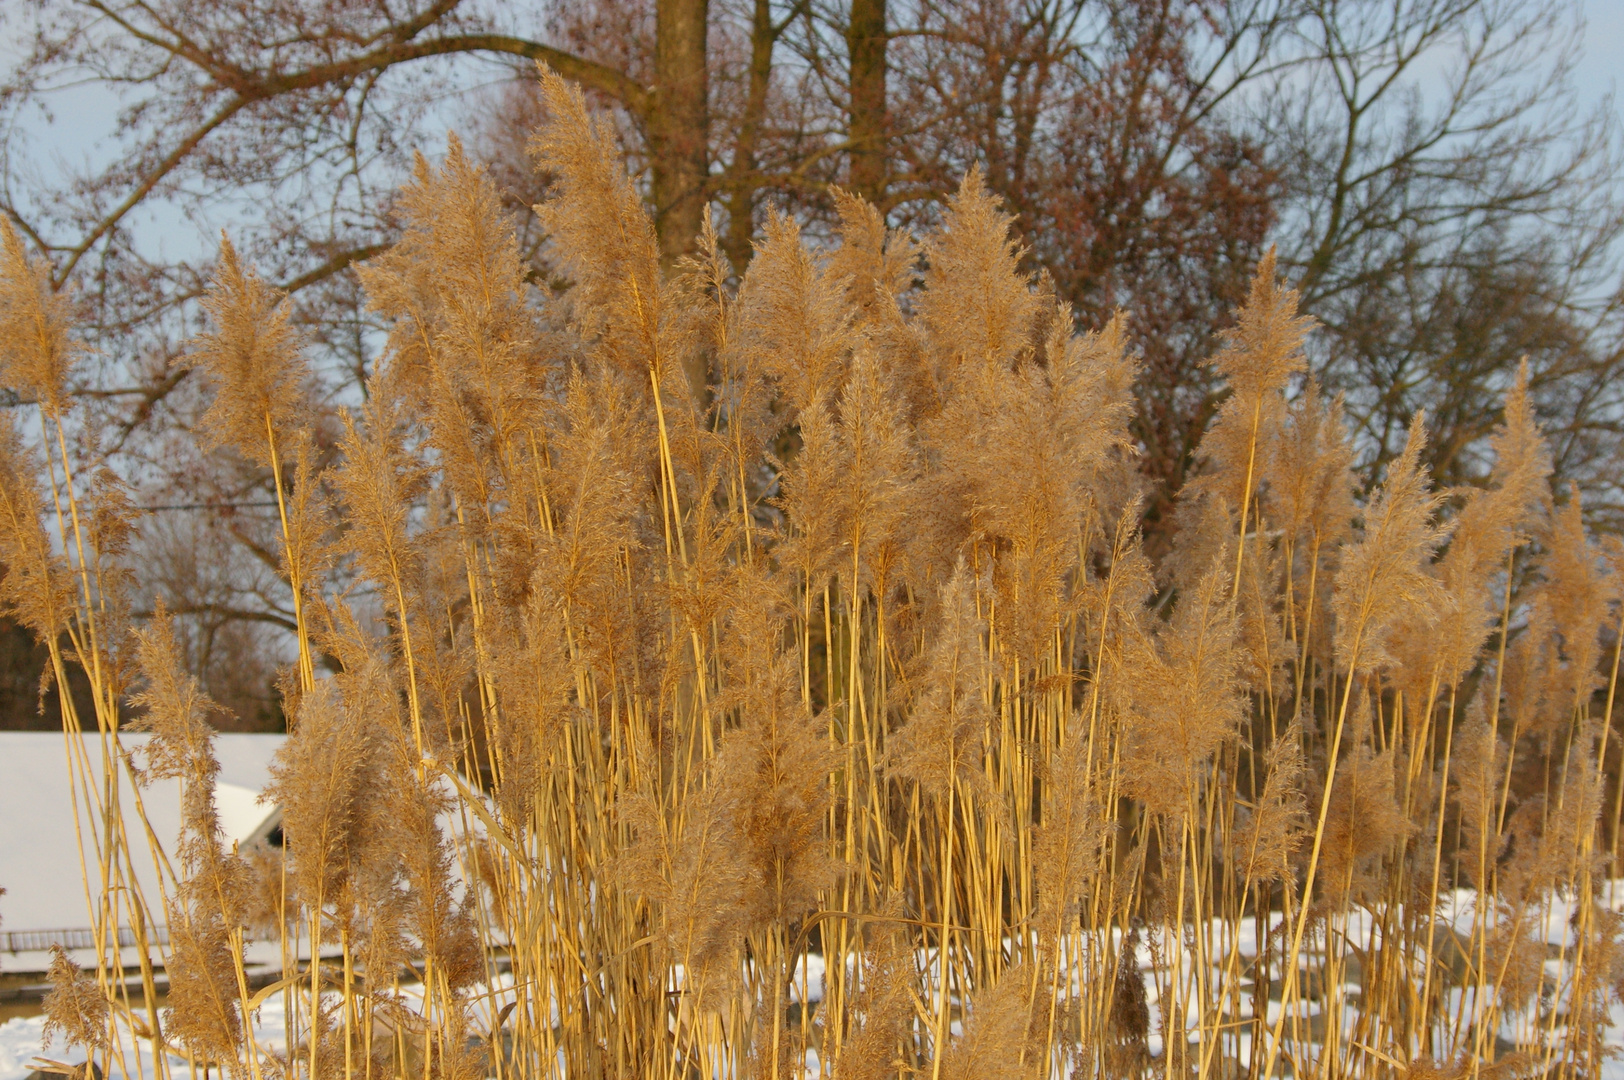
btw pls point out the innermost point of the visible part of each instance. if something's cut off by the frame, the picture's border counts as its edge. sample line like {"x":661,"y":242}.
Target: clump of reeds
{"x":709,"y":674}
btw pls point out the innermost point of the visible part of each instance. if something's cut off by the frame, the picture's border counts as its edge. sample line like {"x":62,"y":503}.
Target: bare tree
{"x":1448,"y":208}
{"x":292,"y":120}
{"x":1106,"y":127}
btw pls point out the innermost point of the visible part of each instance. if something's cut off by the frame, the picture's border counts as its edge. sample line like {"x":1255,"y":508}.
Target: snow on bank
{"x":21,"y":1039}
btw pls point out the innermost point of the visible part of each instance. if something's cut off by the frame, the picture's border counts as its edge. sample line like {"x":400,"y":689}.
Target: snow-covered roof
{"x":40,"y":865}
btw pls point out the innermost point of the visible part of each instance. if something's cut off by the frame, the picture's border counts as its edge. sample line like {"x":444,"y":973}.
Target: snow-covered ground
{"x":20,"y":1039}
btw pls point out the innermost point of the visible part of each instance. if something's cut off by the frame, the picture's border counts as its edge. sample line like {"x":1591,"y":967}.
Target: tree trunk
{"x":867,"y":121}
{"x":744,"y":181}
{"x":679,"y":145}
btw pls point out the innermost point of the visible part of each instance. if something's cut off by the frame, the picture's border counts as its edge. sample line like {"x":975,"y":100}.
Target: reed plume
{"x":37,"y":348}
{"x":75,"y":1006}
{"x":1259,"y":357}
{"x":1364,"y":821}
{"x":1180,"y":697}
{"x":1575,"y":596}
{"x":1480,"y":763}
{"x":702,"y":886}
{"x":1309,"y":475}
{"x":35,"y":589}
{"x":977,"y":307}
{"x":319,"y":781}
{"x":604,"y":241}
{"x":1384,"y":576}
{"x":776,"y":761}
{"x":251,"y":360}
{"x":877,"y":263}
{"x":1002,"y":1030}
{"x":1274,"y":830}
{"x":1067,"y":845}
{"x":883,"y":1008}
{"x":1491,"y":524}
{"x":1310,"y":495}
{"x":940,"y":745}
{"x":793,"y":312}
{"x":877,"y":463}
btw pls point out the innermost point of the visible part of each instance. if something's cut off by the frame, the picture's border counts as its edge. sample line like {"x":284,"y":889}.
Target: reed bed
{"x":714,"y":675}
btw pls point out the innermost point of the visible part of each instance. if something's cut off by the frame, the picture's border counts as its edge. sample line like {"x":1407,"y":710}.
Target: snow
{"x":21,"y":1042}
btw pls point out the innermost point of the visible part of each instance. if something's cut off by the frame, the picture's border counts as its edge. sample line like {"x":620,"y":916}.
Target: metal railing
{"x":16,"y":941}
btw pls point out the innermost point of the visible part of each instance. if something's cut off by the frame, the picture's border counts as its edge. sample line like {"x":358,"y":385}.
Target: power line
{"x":261,"y":505}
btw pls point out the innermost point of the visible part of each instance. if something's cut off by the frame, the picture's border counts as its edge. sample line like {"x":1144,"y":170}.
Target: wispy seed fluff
{"x":1386,"y":574}
{"x":37,"y":348}
{"x":251,"y":359}
{"x":34,"y":588}
{"x":976,"y":307}
{"x":1260,"y":355}
{"x":946,"y":726}
{"x":1179,"y":694}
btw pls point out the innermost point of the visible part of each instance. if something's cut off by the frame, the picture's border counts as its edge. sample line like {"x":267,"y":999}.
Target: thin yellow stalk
{"x":1246,"y":497}
{"x":307,"y":668}
{"x":945,"y":874}
{"x":1287,"y":994}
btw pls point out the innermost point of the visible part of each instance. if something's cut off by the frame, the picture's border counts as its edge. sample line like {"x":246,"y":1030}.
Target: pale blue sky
{"x":1601,"y":69}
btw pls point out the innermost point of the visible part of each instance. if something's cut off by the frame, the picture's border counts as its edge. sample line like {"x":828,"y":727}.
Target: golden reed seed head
{"x":37,"y":349}
{"x":252,"y":360}
{"x":74,"y":1006}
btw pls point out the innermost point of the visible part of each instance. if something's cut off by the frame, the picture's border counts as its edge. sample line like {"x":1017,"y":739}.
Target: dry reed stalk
{"x":705,"y":628}
{"x":71,"y":592}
